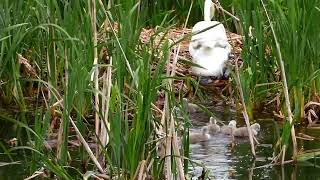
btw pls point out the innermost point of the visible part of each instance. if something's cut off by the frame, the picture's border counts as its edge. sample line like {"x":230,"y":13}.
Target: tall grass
{"x":298,"y":36}
{"x":56,"y":37}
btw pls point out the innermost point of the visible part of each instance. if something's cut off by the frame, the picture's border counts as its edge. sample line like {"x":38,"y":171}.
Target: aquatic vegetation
{"x":79,"y":74}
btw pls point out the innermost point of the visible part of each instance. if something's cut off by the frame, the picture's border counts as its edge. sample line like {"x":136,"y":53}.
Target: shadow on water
{"x":225,"y":162}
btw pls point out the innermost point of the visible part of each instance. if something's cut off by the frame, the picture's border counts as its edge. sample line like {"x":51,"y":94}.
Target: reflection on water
{"x":224,"y":162}
{"x":216,"y":156}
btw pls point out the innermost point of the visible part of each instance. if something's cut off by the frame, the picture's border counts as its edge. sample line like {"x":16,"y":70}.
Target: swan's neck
{"x":208,"y":4}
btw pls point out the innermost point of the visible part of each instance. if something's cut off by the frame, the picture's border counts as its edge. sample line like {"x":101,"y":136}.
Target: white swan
{"x":209,"y":49}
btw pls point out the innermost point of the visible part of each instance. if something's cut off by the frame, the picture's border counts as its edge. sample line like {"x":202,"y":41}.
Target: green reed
{"x":56,"y":38}
{"x":298,"y":37}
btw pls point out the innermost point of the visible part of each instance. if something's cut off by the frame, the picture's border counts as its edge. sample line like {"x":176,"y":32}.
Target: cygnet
{"x":229,"y":129}
{"x":213,"y":127}
{"x":203,"y":136}
{"x":243,"y":131}
{"x":190,"y":107}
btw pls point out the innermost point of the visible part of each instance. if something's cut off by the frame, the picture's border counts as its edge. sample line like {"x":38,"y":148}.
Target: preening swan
{"x":209,"y":49}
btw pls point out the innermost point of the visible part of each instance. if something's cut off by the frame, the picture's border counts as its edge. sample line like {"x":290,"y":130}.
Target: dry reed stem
{"x":103,"y":102}
{"x":311,"y":103}
{"x":172,"y":132}
{"x":137,"y":170}
{"x":244,"y":112}
{"x":107,"y":101}
{"x":86,"y":146}
{"x":271,"y":164}
{"x":79,"y":135}
{"x":168,"y":172}
{"x":177,"y":153}
{"x":141,"y":171}
{"x":96,"y":71}
{"x":103,"y":131}
{"x":61,"y":131}
{"x":218,"y":6}
{"x":49,"y":72}
{"x":286,"y":91}
{"x":36,"y":174}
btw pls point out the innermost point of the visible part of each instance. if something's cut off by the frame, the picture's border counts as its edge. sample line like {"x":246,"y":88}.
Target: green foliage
{"x":56,"y":37}
{"x":298,"y":37}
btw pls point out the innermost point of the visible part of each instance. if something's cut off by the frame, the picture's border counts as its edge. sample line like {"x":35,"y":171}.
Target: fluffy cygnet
{"x":256,"y":127}
{"x":243,"y":131}
{"x":203,"y":136}
{"x":229,"y":128}
{"x":213,"y":127}
{"x":190,"y":107}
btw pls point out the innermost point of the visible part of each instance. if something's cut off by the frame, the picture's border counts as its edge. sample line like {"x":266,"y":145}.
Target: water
{"x":226,"y":162}
{"x":218,"y":156}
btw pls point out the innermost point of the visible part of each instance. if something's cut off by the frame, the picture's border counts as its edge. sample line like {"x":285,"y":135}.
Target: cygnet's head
{"x":213,"y":120}
{"x":232,"y":123}
{"x":185,"y":101}
{"x":256,"y":127}
{"x":205,"y":130}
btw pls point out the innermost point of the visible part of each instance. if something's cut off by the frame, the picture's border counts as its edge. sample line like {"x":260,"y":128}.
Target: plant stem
{"x":285,"y":89}
{"x":245,"y":113}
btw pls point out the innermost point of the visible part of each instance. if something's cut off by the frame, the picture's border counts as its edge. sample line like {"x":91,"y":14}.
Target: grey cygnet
{"x":230,"y":128}
{"x":199,"y":137}
{"x":213,"y":127}
{"x":243,"y":131}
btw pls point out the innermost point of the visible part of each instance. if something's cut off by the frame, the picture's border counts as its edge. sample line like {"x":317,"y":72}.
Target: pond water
{"x":226,"y":162}
{"x":218,"y":156}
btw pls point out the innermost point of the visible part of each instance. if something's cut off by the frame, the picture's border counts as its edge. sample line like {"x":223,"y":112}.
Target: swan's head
{"x":256,"y":127}
{"x":203,"y":43}
{"x":209,"y":10}
{"x":222,"y":43}
{"x":213,"y":120}
{"x":232,"y":123}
